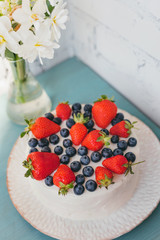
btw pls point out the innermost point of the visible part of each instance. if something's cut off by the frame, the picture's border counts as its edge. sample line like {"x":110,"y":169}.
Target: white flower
{"x":6,"y":6}
{"x":53,"y":2}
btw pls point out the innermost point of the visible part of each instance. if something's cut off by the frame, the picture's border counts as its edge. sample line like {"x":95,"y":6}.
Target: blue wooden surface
{"x":73,"y":81}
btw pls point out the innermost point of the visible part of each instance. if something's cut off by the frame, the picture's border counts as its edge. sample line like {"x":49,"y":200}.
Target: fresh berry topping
{"x":67,"y":143}
{"x":130,"y":156}
{"x":50,"y":116}
{"x":63,"y":110}
{"x":49,"y":181}
{"x":54,"y":139}
{"x":120,"y":116}
{"x":89,"y":124}
{"x":87,"y":114}
{"x":76,"y":106}
{"x":33,"y":150}
{"x":88,"y":171}
{"x":43,"y":142}
{"x":70,"y":122}
{"x":85,"y":160}
{"x":114,"y":139}
{"x":122,"y":145}
{"x":117,"y":151}
{"x":103,"y":177}
{"x":45,"y":149}
{"x":91,"y":129}
{"x":122,"y":129}
{"x":64,"y":132}
{"x":91,"y":185}
{"x":132,"y":142}
{"x":115,"y":121}
{"x":88,"y":107}
{"x":33,"y":142}
{"x":80,"y":179}
{"x":78,"y":189}
{"x":58,"y":150}
{"x":75,"y":166}
{"x":107,"y":152}
{"x":105,"y":131}
{"x":57,"y":121}
{"x":75,"y":113}
{"x":70,"y":151}
{"x":96,"y":157}
{"x":82,"y":151}
{"x":64,"y":159}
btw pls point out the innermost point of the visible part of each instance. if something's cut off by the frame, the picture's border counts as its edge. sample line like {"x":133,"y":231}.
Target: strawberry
{"x":104,"y":110}
{"x":41,"y":128}
{"x":122,"y":129}
{"x":95,"y":140}
{"x":41,"y":164}
{"x":78,"y":131}
{"x":64,"y":178}
{"x":103,"y":177}
{"x":119,"y":164}
{"x":63,"y":110}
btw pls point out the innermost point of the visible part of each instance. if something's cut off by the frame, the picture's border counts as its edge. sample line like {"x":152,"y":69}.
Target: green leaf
{"x":28,"y":173}
{"x":50,"y":7}
{"x":23,"y":134}
{"x":27,"y":121}
{"x":99,"y":139}
{"x":10,"y":55}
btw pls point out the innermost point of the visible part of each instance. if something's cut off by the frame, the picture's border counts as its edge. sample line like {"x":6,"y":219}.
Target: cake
{"x":99,"y":201}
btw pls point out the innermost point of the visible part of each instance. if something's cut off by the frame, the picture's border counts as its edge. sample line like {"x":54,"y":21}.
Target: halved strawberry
{"x":122,"y":129}
{"x":63,"y":110}
{"x":104,"y":177}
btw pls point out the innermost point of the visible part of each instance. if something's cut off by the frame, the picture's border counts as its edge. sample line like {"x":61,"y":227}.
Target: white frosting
{"x":99,"y":203}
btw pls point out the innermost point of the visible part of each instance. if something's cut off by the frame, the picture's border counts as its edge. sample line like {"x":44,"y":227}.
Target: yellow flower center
{"x":2,"y":39}
{"x":54,"y":19}
{"x":34,"y":16}
{"x":38,"y":44}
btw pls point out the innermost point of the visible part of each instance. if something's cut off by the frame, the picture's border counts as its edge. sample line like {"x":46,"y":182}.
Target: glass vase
{"x":26,"y":98}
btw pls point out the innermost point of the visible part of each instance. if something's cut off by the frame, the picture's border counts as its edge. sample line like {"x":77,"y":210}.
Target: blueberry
{"x":117,"y":151}
{"x":120,"y":116}
{"x":50,"y":116}
{"x":87,"y":114}
{"x":64,"y":159}
{"x":49,"y":181}
{"x":67,"y":143}
{"x":132,"y":142}
{"x":45,"y":149}
{"x":33,"y":150}
{"x":43,"y":142}
{"x":91,"y":185}
{"x":54,"y":139}
{"x":89,"y":124}
{"x":71,"y":151}
{"x":122,"y":145}
{"x":82,"y":151}
{"x":64,"y":132}
{"x":33,"y":142}
{"x":95,"y":156}
{"x":57,"y":120}
{"x":130,"y":156}
{"x":70,"y":122}
{"x":75,"y":113}
{"x":114,"y":139}
{"x":105,"y":131}
{"x":91,"y":129}
{"x":75,"y":166}
{"x":115,"y":121}
{"x":80,"y":178}
{"x":76,"y":106}
{"x":58,"y":150}
{"x":107,"y":152}
{"x":88,"y":107}
{"x":85,"y":160}
{"x":78,"y":189}
{"x":88,"y":171}
{"x":127,"y":120}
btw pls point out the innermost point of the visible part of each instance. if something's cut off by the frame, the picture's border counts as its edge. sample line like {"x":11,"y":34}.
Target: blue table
{"x":73,"y":81}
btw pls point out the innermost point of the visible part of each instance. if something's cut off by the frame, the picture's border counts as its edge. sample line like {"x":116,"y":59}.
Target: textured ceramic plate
{"x":139,"y":207}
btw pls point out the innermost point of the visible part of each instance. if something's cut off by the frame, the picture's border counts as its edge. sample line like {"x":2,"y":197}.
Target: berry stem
{"x":129,"y":167}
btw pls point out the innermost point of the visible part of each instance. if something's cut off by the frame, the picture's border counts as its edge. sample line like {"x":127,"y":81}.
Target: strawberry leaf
{"x":23,"y":134}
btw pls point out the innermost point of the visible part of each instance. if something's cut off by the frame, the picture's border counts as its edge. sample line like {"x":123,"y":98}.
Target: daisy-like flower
{"x":6,"y":6}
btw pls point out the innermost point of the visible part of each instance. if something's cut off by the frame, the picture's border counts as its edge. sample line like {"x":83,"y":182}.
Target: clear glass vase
{"x":26,"y":98}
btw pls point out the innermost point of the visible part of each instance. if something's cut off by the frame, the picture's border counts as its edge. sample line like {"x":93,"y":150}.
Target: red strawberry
{"x":95,"y":140}
{"x":78,"y":131}
{"x":41,"y":164}
{"x":104,"y":110}
{"x":41,"y":128}
{"x":122,"y":129}
{"x":64,"y":178}
{"x":63,"y":110}
{"x":103,"y":177}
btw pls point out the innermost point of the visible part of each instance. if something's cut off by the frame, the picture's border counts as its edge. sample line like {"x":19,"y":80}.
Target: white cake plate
{"x":138,"y":208}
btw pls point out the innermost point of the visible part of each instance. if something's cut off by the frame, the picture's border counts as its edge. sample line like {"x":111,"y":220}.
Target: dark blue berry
{"x":120,"y":116}
{"x":130,"y":156}
{"x":115,"y":121}
{"x":88,"y":107}
{"x":107,"y":152}
{"x":58,"y":150}
{"x":91,"y":129}
{"x":78,"y":189}
{"x":127,"y":120}
{"x":87,"y":114}
{"x":43,"y":142}
{"x":54,"y":139}
{"x":45,"y":149}
{"x":75,"y":113}
{"x":114,"y":139}
{"x":132,"y":142}
{"x":67,"y":143}
{"x":50,"y":116}
{"x":75,"y":166}
{"x":64,"y":132}
{"x":71,"y":151}
{"x":89,"y":124}
{"x":88,"y":171}
{"x":95,"y":156}
{"x":76,"y":107}
{"x":91,"y":185}
{"x":80,"y":178}
{"x":70,"y":122}
{"x":117,"y":151}
{"x":64,"y":159}
{"x":122,"y":145}
{"x":33,"y":150}
{"x":105,"y":131}
{"x":57,"y":120}
{"x":49,"y":181}
{"x":82,"y":151}
{"x":85,"y":160}
{"x":33,"y":142}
